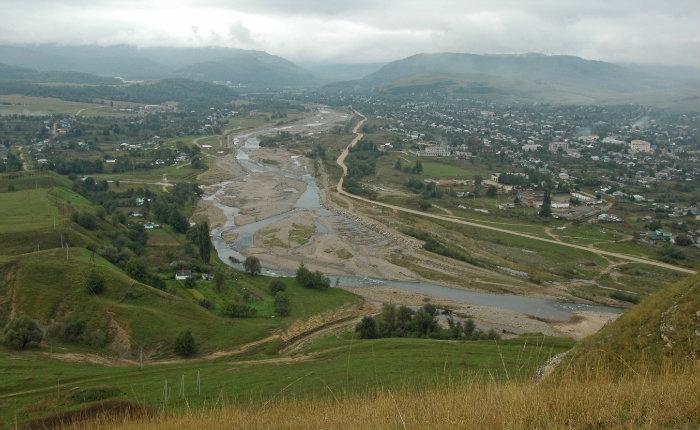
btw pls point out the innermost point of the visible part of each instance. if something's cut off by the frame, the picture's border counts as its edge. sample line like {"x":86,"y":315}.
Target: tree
{"x":190,"y":283}
{"x":276,"y":286}
{"x":367,"y":328}
{"x":136,"y":268}
{"x":418,"y":168}
{"x":424,"y":323}
{"x":469,"y":326}
{"x":177,"y":221}
{"x":424,"y":204}
{"x":21,"y":333}
{"x":491,"y":191}
{"x":219,"y":279}
{"x":184,"y":344}
{"x":282,"y":305}
{"x":201,"y":240}
{"x":94,"y":283}
{"x":397,"y":165}
{"x":314,"y":280}
{"x":252,"y":265}
{"x":546,"y":208}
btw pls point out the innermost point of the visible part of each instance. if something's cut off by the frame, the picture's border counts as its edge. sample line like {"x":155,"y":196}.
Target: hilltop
{"x":524,"y":77}
{"x":239,"y":66}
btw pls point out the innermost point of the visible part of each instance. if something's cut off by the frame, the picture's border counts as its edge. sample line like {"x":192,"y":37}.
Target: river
{"x":310,"y":200}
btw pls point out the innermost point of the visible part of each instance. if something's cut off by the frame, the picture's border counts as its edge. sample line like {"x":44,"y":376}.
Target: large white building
{"x":640,"y":146}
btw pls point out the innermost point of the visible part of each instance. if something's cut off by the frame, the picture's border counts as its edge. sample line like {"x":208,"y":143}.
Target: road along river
{"x":232,"y":240}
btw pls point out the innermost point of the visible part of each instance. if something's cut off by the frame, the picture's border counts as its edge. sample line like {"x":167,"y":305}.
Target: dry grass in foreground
{"x":666,"y":400}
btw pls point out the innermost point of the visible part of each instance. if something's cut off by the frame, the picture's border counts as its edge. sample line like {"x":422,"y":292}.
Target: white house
{"x":182,"y":275}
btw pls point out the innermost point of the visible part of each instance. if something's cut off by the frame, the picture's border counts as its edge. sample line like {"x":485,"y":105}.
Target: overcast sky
{"x":360,"y":31}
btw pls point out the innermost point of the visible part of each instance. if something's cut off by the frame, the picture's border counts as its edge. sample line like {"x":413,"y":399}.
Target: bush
{"x":206,"y":304}
{"x":94,"y":283}
{"x":277,"y":286}
{"x":282,"y":305}
{"x":84,"y":219}
{"x":252,"y":265}
{"x":625,"y":297}
{"x":235,"y":310}
{"x":683,"y":240}
{"x":314,"y":280}
{"x":184,"y":344}
{"x":136,"y":268}
{"x":367,"y":328}
{"x":21,"y":333}
{"x":190,"y":283}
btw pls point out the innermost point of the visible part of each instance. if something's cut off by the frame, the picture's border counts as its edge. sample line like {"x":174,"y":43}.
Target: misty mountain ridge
{"x":532,"y":77}
{"x":238,"y":66}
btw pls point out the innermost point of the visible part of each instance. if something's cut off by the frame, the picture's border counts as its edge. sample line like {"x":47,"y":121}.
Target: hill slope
{"x":559,"y":78}
{"x":13,"y":73}
{"x":662,"y":329}
{"x":254,"y":68}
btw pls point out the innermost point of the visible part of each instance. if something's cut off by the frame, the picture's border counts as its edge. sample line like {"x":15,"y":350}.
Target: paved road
{"x":340,"y":190}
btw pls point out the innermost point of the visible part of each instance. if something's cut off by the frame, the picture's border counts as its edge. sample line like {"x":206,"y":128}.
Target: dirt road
{"x":341,"y":191}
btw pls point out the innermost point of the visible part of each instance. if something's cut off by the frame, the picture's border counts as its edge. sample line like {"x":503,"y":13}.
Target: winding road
{"x":339,"y":188}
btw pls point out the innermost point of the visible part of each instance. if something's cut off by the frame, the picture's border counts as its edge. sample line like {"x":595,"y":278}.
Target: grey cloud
{"x":239,"y":33}
{"x":377,"y":30}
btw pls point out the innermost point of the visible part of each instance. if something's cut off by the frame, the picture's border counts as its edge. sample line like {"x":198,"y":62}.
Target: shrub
{"x":252,"y":265}
{"x":625,"y":297}
{"x":94,"y":394}
{"x":367,"y":328}
{"x":276,"y":286}
{"x":190,"y":283}
{"x":282,"y":305}
{"x":136,"y":268}
{"x":184,"y":344}
{"x":314,"y":280}
{"x":84,"y":219}
{"x":683,"y":240}
{"x":206,"y":304}
{"x":235,"y":310}
{"x":21,"y":333}
{"x":94,"y":283}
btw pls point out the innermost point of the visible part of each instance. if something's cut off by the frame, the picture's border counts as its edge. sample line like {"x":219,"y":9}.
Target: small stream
{"x":310,"y":200}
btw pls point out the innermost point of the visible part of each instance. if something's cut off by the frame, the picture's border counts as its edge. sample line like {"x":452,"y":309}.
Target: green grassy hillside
{"x":32,"y":180}
{"x":660,"y":330}
{"x":332,"y":368}
{"x":129,"y":315}
{"x":38,"y":217}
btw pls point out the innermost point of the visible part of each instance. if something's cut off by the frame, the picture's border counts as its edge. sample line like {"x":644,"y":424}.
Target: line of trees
{"x":403,"y":321}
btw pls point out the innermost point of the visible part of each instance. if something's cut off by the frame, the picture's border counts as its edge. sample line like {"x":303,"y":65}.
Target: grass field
{"x":337,"y":368}
{"x":454,"y":169}
{"x":39,"y":106}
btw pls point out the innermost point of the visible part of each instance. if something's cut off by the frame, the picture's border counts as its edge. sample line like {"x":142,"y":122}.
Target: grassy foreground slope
{"x":663,"y":329}
{"x":330,"y":368}
{"x":639,"y":372}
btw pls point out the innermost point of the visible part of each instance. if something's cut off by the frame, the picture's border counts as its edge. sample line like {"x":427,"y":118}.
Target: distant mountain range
{"x":531,"y":77}
{"x":238,"y":66}
{"x":506,"y":77}
{"x":13,"y":73}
